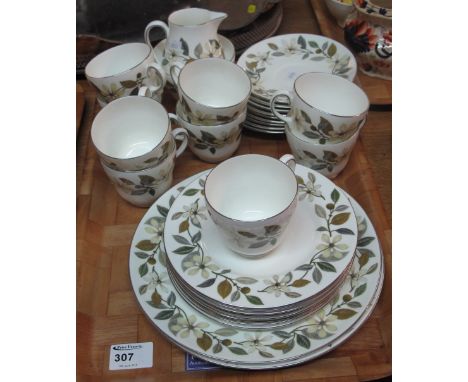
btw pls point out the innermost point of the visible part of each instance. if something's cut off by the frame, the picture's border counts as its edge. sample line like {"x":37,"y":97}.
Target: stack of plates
{"x":294,"y":304}
{"x":275,"y":63}
{"x":282,"y":287}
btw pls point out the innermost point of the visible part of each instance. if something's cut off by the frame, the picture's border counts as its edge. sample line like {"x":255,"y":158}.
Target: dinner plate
{"x":273,"y":64}
{"x":207,"y":339}
{"x":318,"y":245}
{"x":228,"y":48}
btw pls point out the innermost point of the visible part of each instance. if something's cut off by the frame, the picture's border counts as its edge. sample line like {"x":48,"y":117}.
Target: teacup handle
{"x":155,"y":24}
{"x":149,"y":91}
{"x":362,"y":123}
{"x":289,"y":161}
{"x":179,"y":134}
{"x":280,"y":93}
{"x":175,"y":76}
{"x":160,"y":74}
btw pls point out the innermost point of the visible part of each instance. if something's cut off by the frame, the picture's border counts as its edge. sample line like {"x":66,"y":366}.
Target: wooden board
{"x":108,"y":312}
{"x":80,"y":106}
{"x":378,"y":90}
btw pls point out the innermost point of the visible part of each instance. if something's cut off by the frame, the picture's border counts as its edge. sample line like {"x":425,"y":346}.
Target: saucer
{"x":211,"y":341}
{"x":275,"y":63}
{"x":228,"y":48}
{"x":318,"y":245}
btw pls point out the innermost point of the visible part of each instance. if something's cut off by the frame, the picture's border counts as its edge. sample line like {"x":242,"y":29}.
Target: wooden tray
{"x":80,"y":106}
{"x":108,"y":313}
{"x":378,"y":90}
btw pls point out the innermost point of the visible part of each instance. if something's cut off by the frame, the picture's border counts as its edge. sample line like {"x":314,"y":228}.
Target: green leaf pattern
{"x":146,"y":184}
{"x":323,"y":131}
{"x":108,"y":93}
{"x":328,"y":161}
{"x":185,"y":53}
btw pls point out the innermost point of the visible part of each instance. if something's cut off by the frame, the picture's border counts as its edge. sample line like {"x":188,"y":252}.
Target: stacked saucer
{"x":283,"y":286}
{"x":329,"y":268}
{"x":274,"y":64}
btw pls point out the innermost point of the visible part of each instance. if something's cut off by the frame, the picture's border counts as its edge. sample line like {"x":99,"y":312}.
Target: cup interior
{"x":250,"y":187}
{"x":214,"y":82}
{"x":129,"y":127}
{"x":331,"y":94}
{"x":117,"y":60}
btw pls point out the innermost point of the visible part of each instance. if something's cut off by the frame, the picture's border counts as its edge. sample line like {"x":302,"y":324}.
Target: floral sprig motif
{"x":109,"y":93}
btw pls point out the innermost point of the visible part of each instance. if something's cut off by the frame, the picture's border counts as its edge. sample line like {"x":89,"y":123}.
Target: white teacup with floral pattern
{"x":329,"y":159}
{"x":133,"y":133}
{"x":213,"y":143}
{"x":142,"y":187}
{"x":324,"y":107}
{"x":122,"y":70}
{"x":251,"y":199}
{"x":212,"y":89}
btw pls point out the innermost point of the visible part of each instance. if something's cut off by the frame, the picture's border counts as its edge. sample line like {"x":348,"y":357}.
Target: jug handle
{"x":155,"y":24}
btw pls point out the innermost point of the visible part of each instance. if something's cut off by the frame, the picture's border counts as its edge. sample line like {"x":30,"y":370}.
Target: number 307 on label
{"x":131,"y":356}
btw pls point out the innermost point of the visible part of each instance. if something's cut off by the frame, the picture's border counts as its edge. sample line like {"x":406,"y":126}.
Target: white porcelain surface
{"x":340,"y":10}
{"x":213,"y":143}
{"x":166,"y":63}
{"x":324,"y":107}
{"x":133,"y":133}
{"x":213,"y":87}
{"x":120,"y":71}
{"x":243,"y":196}
{"x":247,"y":348}
{"x":141,"y":188}
{"x":329,"y":159}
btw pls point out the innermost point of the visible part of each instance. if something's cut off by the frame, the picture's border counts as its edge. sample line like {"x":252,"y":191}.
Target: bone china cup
{"x":142,"y":187}
{"x":133,"y":133}
{"x":120,"y":71}
{"x":329,"y":159}
{"x":324,"y":107}
{"x":212,"y":88}
{"x":251,"y":199}
{"x":213,"y":143}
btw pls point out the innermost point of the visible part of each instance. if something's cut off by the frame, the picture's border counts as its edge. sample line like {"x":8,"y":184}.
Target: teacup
{"x":122,"y":70}
{"x":212,"y":89}
{"x":324,"y":107}
{"x":133,"y":133}
{"x":142,"y":187}
{"x":213,"y":143}
{"x":251,"y":199}
{"x":329,"y":159}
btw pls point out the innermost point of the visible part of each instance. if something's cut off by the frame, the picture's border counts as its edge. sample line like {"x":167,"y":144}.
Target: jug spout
{"x":217,"y":16}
